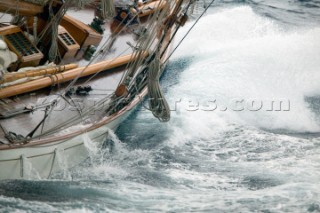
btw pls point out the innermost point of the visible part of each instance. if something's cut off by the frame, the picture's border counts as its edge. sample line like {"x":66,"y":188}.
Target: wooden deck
{"x":102,"y":85}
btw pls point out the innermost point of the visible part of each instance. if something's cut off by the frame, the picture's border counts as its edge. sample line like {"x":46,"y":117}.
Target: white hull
{"x":43,"y":160}
{"x":58,"y":148}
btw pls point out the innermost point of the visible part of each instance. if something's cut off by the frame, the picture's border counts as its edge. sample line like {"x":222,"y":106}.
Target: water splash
{"x":28,"y":172}
{"x":245,"y":57}
{"x":62,"y":164}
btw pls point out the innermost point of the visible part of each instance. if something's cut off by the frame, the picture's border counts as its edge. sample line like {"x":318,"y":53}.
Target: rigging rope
{"x":153,"y":24}
{"x":107,"y":9}
{"x":81,"y":3}
{"x":188,"y":32}
{"x":54,"y":50}
{"x":158,"y":105}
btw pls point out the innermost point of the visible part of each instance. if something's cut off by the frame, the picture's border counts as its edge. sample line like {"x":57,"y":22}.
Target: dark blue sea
{"x":244,"y":89}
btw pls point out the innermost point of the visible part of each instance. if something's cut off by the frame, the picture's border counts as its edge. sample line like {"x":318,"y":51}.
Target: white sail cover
{"x":6,"y":57}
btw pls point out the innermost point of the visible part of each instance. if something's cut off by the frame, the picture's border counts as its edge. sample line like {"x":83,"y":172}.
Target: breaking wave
{"x":240,"y":57}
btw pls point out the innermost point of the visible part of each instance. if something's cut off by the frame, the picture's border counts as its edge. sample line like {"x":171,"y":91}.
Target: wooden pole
{"x":10,"y":77}
{"x":66,"y":76}
{"x":152,"y":7}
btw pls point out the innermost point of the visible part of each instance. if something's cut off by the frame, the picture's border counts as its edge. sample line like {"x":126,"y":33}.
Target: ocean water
{"x":244,"y":135}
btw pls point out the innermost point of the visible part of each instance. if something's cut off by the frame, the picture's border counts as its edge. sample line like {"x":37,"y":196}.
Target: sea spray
{"x":62,"y":163}
{"x":27,"y":170}
{"x":92,"y":147}
{"x":244,"y":58}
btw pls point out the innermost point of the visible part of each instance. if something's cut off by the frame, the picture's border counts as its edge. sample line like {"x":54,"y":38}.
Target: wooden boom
{"x":10,"y":77}
{"x":67,"y":76}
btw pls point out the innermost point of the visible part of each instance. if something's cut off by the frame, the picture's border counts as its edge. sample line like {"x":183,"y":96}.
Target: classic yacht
{"x":71,"y":71}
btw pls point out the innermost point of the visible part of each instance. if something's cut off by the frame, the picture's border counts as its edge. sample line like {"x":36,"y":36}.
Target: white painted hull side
{"x":43,"y":160}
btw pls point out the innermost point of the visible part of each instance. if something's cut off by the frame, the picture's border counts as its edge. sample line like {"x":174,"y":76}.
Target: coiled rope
{"x":157,"y":103}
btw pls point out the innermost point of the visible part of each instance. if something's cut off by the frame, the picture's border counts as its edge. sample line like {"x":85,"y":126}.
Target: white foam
{"x":240,"y":55}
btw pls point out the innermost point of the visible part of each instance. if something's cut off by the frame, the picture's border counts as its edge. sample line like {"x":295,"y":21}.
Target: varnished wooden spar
{"x":10,"y":77}
{"x":67,"y":76}
{"x":23,"y":8}
{"x":152,"y":7}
